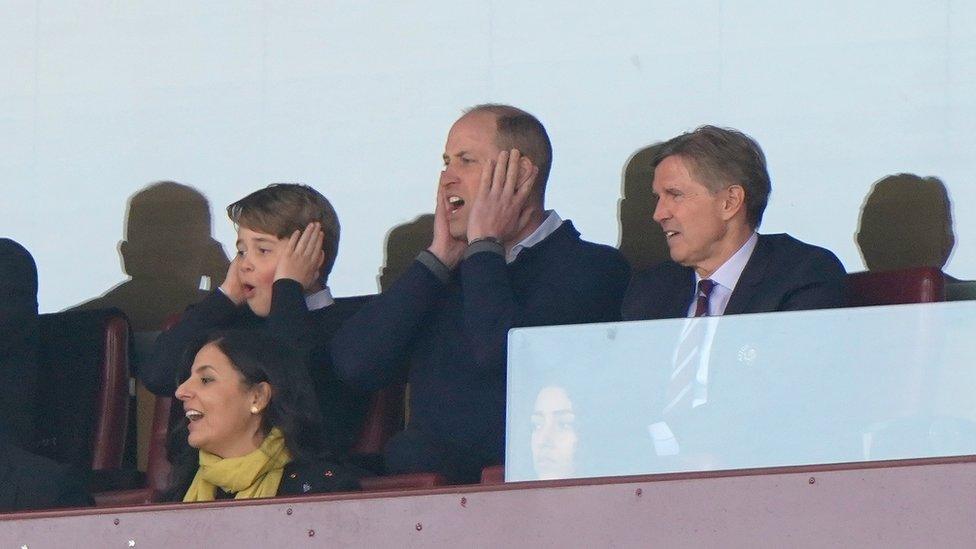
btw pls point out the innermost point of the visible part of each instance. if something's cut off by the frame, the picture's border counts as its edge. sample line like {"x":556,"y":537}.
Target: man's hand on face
{"x":302,"y":257}
{"x":232,"y":286}
{"x":499,"y":210}
{"x":445,"y":247}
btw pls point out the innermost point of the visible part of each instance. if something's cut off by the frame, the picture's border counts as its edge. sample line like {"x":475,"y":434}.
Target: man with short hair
{"x":707,"y":405}
{"x":498,"y":260}
{"x":712,"y":187}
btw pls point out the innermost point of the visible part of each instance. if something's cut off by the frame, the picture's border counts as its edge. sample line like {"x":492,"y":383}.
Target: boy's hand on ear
{"x":500,"y":209}
{"x":232,"y":286}
{"x":302,"y":257}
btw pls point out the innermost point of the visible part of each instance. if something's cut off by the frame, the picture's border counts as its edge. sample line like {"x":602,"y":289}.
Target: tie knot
{"x":705,"y":287}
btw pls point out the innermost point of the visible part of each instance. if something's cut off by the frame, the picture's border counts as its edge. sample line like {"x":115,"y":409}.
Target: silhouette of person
{"x":906,"y":222}
{"x":167,"y":249}
{"x":403,"y":243}
{"x":641,"y":239}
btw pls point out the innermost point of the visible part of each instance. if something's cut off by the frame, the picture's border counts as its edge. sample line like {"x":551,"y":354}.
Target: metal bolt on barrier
{"x":464,"y":502}
{"x":289,"y":511}
{"x":311,"y":533}
{"x":812,"y":480}
{"x":419,"y":527}
{"x":115,"y":522}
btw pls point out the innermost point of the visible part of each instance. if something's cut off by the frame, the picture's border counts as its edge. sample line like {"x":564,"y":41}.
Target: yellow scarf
{"x":256,"y":475}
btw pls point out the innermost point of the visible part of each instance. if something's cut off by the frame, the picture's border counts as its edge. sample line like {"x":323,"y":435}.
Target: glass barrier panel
{"x":743,"y":391}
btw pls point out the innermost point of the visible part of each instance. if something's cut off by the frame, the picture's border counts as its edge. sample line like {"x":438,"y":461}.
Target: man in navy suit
{"x":712,"y":187}
{"x":709,"y":400}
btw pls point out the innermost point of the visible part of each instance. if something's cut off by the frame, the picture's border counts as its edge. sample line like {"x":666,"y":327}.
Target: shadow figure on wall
{"x":906,"y":222}
{"x":403,"y":243}
{"x":168,"y":253}
{"x":641,"y":239}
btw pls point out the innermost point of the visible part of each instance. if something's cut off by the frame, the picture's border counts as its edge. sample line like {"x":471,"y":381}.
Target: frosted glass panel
{"x":765,"y":390}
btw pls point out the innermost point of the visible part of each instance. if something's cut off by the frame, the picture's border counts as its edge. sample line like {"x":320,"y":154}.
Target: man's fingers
{"x":512,"y":172}
{"x":487,"y":174}
{"x":501,"y":169}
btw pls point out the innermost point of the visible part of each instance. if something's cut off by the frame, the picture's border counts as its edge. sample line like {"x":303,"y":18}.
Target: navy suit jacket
{"x":783,"y":274}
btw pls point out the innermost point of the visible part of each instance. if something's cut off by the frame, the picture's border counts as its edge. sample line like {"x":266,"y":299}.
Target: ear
{"x":527,"y":171}
{"x":260,"y":396}
{"x":733,"y":201}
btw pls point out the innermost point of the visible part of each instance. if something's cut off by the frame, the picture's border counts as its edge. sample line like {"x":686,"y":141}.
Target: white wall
{"x":99,"y":99}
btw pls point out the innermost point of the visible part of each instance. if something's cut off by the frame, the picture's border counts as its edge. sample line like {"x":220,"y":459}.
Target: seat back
{"x":83,"y":389}
{"x":384,"y":418}
{"x":916,"y":285}
{"x":157,"y":465}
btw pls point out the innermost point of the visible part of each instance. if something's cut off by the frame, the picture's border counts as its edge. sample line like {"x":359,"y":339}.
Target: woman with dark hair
{"x":253,"y":419}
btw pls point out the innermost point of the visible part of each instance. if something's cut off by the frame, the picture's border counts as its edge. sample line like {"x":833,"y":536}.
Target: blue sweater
{"x":449,"y":340}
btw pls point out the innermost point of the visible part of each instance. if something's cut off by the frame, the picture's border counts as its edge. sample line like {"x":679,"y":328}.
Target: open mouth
{"x":248,"y":290}
{"x":670,"y":234}
{"x":194,"y":415}
{"x":455,"y":203}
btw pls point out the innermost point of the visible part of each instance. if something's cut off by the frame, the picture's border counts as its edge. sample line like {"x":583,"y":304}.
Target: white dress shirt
{"x":549,"y":226}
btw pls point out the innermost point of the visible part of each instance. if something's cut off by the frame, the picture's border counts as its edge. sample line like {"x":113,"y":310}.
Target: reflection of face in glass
{"x":554,"y":438}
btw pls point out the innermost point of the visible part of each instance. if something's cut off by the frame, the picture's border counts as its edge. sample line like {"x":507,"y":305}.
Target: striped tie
{"x":687,"y":358}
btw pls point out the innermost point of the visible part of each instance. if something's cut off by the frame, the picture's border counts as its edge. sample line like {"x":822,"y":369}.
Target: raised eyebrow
{"x":203,"y":367}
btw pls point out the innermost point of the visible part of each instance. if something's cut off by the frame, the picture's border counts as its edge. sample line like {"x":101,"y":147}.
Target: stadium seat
{"x":917,"y":285}
{"x":384,"y":418}
{"x":407,"y":481}
{"x":157,"y":468}
{"x":493,"y":474}
{"x":83,"y":402}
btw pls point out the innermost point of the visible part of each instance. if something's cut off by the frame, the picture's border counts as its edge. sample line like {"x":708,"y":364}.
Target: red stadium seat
{"x":408,"y":481}
{"x":157,"y":468}
{"x":83,"y":403}
{"x":493,"y":474}
{"x":917,"y":285}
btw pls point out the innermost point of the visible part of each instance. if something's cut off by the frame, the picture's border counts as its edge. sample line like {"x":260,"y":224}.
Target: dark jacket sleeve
{"x":160,"y":373}
{"x":587,"y":288}
{"x":373,"y":347}
{"x":290,"y":320}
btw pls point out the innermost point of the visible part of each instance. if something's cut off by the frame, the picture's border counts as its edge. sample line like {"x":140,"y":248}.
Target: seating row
{"x":86,"y":417}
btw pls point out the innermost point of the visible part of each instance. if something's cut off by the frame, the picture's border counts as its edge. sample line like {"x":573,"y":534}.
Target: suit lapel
{"x":681,"y":299}
{"x":749,"y":282}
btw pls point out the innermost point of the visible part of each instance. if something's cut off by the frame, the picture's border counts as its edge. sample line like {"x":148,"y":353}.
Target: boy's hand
{"x":232,"y":287}
{"x":302,"y":257}
{"x":445,"y":247}
{"x":500,"y":211}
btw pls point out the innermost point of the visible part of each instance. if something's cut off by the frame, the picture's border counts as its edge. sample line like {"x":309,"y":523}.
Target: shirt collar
{"x":319,"y":300}
{"x":728,"y":274}
{"x":546,"y":228}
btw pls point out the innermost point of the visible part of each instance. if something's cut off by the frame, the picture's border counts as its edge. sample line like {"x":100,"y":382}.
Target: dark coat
{"x":450,"y":341}
{"x":783,"y":274}
{"x":29,"y":482}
